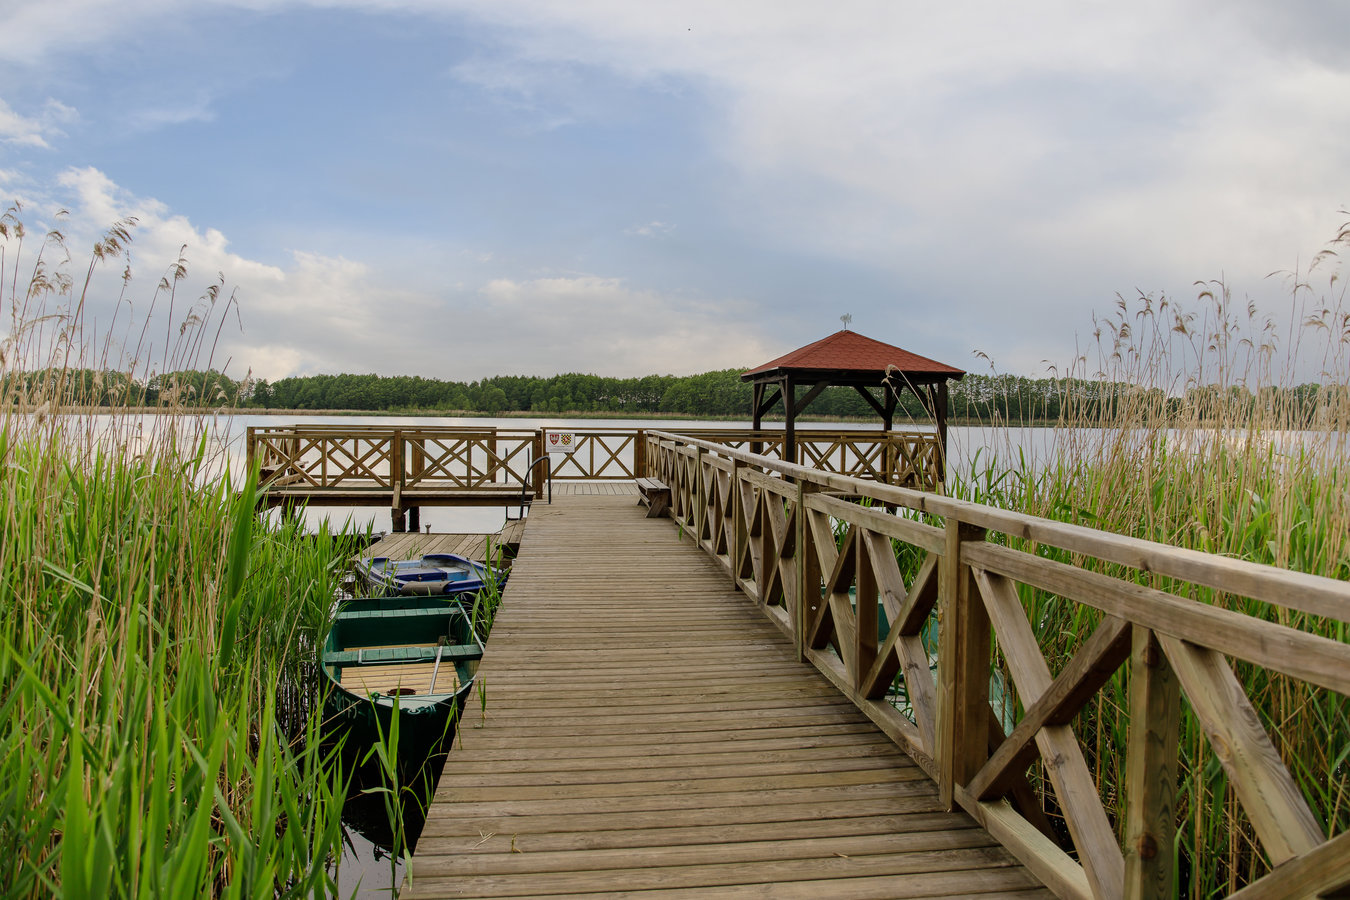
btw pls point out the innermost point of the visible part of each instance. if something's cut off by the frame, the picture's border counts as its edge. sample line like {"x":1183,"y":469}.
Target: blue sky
{"x":465,"y":189}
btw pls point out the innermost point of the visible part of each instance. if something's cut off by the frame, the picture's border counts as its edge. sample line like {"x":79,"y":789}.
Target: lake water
{"x":971,"y":450}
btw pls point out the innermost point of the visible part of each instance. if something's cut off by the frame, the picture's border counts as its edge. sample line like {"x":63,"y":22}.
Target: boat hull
{"x":430,"y":575}
{"x":398,"y":665}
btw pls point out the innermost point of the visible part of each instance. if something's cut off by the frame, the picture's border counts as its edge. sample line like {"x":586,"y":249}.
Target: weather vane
{"x":846,"y":318}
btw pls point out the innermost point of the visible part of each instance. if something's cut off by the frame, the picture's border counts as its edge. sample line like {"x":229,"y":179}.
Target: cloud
{"x":326,"y":314}
{"x":154,"y":117}
{"x":317,"y":314}
{"x":991,"y":173}
{"x":654,"y":228}
{"x":34,"y":131}
{"x":603,"y":326}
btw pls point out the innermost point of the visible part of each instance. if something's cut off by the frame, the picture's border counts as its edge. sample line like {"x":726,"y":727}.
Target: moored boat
{"x":434,"y":573}
{"x":413,"y":658}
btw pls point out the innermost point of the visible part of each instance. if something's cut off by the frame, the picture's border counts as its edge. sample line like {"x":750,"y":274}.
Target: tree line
{"x":721,"y":394}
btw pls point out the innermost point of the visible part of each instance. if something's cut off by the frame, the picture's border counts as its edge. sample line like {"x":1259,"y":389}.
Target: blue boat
{"x":434,"y":573}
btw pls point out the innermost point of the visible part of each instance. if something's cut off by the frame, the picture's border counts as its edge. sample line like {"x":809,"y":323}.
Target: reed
{"x":156,"y":676}
{"x":1194,"y":434}
{"x":487,"y":601}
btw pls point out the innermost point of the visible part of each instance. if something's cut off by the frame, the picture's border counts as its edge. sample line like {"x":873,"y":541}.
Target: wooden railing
{"x":378,"y":457}
{"x":911,"y":458}
{"x":350,"y":458}
{"x":825,"y":570}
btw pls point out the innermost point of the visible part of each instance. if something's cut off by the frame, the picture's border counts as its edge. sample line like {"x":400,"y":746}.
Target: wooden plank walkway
{"x":646,"y":732}
{"x":411,"y":545}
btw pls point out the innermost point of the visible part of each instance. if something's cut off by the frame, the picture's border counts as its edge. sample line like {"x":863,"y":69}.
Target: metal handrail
{"x":525,"y":482}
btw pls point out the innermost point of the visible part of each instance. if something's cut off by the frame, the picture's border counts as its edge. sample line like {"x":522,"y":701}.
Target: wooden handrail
{"x":403,"y":457}
{"x":823,"y":568}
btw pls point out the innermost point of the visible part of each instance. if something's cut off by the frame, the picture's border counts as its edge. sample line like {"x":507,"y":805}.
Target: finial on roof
{"x":846,"y":318}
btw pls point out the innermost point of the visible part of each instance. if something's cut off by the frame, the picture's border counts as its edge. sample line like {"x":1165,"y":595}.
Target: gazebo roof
{"x":846,"y":356}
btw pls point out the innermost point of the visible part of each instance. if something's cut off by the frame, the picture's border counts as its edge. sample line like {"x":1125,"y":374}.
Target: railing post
{"x":640,"y":454}
{"x":807,"y":570}
{"x":396,"y":455}
{"x":865,"y":627}
{"x":963,"y":668}
{"x":492,"y":461}
{"x":397,"y":482}
{"x":536,"y":453}
{"x":736,"y":516}
{"x":1150,"y":771}
{"x":699,"y":515}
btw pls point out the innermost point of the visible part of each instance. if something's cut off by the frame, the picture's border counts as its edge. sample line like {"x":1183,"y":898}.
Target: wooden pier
{"x":786,"y":689}
{"x":406,"y":468}
{"x":643,"y":728}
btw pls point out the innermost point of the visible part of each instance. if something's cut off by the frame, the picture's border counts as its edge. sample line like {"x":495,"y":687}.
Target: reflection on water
{"x":371,"y":868}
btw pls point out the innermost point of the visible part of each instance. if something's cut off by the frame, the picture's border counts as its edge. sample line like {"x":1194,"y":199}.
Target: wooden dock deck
{"x":645,"y":731}
{"x":410,"y":544}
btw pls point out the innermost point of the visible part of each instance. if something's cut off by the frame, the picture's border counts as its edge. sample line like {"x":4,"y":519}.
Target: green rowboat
{"x":413,"y":658}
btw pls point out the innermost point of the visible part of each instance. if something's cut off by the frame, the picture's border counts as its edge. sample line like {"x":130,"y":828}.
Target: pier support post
{"x":415,"y":518}
{"x":398,"y":524}
{"x":963,"y":668}
{"x":1151,"y":771}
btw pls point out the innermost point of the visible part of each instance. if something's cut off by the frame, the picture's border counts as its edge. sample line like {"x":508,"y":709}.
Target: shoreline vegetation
{"x":975,"y":400}
{"x":161,"y":732}
{"x":569,"y":414}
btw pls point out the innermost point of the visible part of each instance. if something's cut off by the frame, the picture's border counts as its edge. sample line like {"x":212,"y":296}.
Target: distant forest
{"x":721,"y":394}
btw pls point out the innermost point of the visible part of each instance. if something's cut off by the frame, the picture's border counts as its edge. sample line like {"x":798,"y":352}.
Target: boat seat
{"x":350,"y":615}
{"x":452,"y":653}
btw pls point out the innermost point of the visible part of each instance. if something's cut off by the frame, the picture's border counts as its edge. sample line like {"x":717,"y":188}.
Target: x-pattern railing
{"x":826,"y":570}
{"x":906,"y":458}
{"x":598,"y":455}
{"x":354,"y":459}
{"x":468,"y":460}
{"x":408,"y":458}
{"x":324,"y":459}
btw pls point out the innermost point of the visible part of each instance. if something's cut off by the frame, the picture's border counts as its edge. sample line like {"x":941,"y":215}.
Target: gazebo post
{"x":757,"y":400}
{"x":940,"y":419}
{"x":790,"y":427}
{"x":890,"y":458}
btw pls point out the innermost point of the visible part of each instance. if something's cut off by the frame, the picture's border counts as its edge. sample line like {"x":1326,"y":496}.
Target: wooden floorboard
{"x":644,"y":731}
{"x":412,"y":545}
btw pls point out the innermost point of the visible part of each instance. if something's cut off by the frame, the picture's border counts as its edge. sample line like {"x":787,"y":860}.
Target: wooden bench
{"x":656,"y":494}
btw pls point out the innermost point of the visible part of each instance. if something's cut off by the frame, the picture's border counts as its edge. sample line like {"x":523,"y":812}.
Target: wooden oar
{"x":440,"y":648}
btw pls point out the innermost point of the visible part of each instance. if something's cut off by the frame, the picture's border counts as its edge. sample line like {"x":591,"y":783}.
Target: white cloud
{"x":197,"y":110}
{"x":34,"y":131}
{"x":655,"y":228}
{"x":602,"y":326}
{"x":329,"y":314}
{"x":1030,"y":159}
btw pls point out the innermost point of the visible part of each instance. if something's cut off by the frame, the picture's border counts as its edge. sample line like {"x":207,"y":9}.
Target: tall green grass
{"x":1197,"y":438}
{"x":160,"y":736}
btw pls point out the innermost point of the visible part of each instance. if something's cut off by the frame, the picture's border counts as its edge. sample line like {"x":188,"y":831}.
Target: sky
{"x":466,"y":188}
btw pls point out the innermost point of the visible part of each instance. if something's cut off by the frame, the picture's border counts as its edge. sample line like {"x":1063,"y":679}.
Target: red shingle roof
{"x":853,"y":353}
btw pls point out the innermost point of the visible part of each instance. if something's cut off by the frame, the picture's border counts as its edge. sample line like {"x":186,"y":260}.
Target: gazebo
{"x":854,"y":360}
